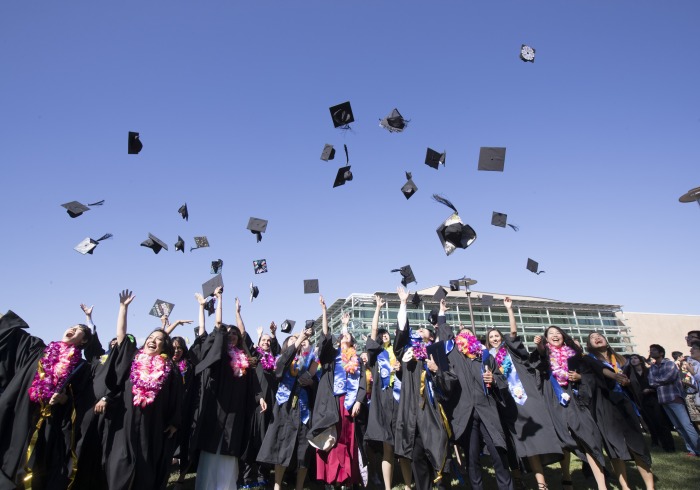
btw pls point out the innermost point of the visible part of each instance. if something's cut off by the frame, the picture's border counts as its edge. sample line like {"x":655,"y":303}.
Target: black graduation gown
{"x":573,"y":423}
{"x":286,"y":428}
{"x":614,"y":413}
{"x":140,"y":455}
{"x":383,"y":409}
{"x":416,"y":412}
{"x":529,"y":425}
{"x":224,"y":400}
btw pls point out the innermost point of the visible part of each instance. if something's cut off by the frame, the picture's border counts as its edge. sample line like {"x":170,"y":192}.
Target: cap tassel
{"x":258,"y":235}
{"x":446,"y":202}
{"x":98,"y":203}
{"x":539,"y":272}
{"x":515,"y":227}
{"x":105,"y":237}
{"x":409,"y":176}
{"x":347,"y":157}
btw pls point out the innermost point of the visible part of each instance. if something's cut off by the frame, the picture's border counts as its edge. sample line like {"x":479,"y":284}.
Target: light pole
{"x":469,"y":282}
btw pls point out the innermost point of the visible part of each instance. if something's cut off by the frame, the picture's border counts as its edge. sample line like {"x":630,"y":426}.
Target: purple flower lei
{"x":267,"y":360}
{"x":182,"y":366}
{"x":58,"y":362}
{"x":419,"y":349}
{"x":148,"y":373}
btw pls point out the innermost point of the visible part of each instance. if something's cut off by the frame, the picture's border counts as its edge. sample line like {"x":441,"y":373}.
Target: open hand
{"x":126,"y":297}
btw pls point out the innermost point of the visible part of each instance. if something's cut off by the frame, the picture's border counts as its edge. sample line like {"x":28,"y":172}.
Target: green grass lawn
{"x":674,"y":471}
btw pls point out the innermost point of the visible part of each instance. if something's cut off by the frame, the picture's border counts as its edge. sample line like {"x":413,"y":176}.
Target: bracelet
{"x":104,"y":399}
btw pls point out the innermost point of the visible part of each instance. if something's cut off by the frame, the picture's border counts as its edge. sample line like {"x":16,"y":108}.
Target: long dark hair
{"x":240,"y":344}
{"x":568,"y":340}
{"x":609,"y":350}
{"x":167,"y":342}
{"x":380,"y":334}
{"x":486,"y":339}
{"x":182,"y":342}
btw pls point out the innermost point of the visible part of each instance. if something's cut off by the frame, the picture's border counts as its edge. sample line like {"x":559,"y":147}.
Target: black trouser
{"x":470,"y":441}
{"x":420,"y":464}
{"x":657,"y":421}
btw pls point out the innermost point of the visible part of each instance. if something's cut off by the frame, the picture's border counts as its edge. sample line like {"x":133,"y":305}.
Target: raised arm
{"x":375,"y":320}
{"x":201,"y":301}
{"x":88,"y":316}
{"x":125,"y":298}
{"x":239,"y":318}
{"x":324,"y":316}
{"x":219,"y":293}
{"x":168,"y":329}
{"x":402,"y":316}
{"x":508,"y":303}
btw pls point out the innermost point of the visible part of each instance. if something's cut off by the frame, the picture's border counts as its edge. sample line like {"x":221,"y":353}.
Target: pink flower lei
{"x":182,"y":366}
{"x":57,"y":363}
{"x":267,"y":360}
{"x":148,"y":373}
{"x":559,"y":362}
{"x":419,"y":348}
{"x":469,"y":345}
{"x":501,"y":355}
{"x":348,"y":356}
{"x":239,"y":360}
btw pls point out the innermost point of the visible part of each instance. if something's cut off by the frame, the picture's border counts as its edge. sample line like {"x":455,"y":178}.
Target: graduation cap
{"x":409,"y":188}
{"x":394,"y":122}
{"x":210,"y":286}
{"x":254,"y":291}
{"x":342,"y":115}
{"x":328,"y":153}
{"x":440,"y":294}
{"x":407,"y":276}
{"x":416,"y":299}
{"x":310,"y":286}
{"x":217,"y":266}
{"x":161,"y":308}
{"x":210,"y":306}
{"x":201,"y":242}
{"x":180,"y":245}
{"x":135,"y":145}
{"x":260,"y":266}
{"x":452,"y":232}
{"x":88,"y":245}
{"x":492,"y":158}
{"x":309,"y":324}
{"x":344,"y":174}
{"x":433,"y":159}
{"x":691,"y":196}
{"x":433,"y":317}
{"x":486,"y":300}
{"x":527,"y":53}
{"x":454,"y":285}
{"x":501,"y":220}
{"x":532,"y":266}
{"x":257,"y":226}
{"x":154,"y":243}
{"x":183,"y":212}
{"x":75,"y":208}
{"x":287,"y":326}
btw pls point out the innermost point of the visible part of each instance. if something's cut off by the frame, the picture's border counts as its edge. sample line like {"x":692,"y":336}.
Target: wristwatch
{"x":103,"y":399}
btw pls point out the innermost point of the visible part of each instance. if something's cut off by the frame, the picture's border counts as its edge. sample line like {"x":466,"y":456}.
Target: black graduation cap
{"x":433,"y":159}
{"x":309,"y":324}
{"x":691,"y":196}
{"x":210,"y":286}
{"x":416,"y":299}
{"x":254,"y":291}
{"x":183,"y":212}
{"x":344,"y":174}
{"x":342,"y":115}
{"x":454,"y":285}
{"x":154,"y":243}
{"x":532,"y":266}
{"x":407,"y":276}
{"x":180,"y":245}
{"x":433,"y":316}
{"x":217,"y":266}
{"x":88,"y":245}
{"x":440,"y":294}
{"x":310,"y":286}
{"x":201,"y":242}
{"x":527,"y":53}
{"x":328,"y":153}
{"x":452,"y":232}
{"x":394,"y":122}
{"x":161,"y":308}
{"x":257,"y":226}
{"x":287,"y":326}
{"x":210,"y":306}
{"x":409,"y":188}
{"x":75,"y":208}
{"x":486,"y":300}
{"x":135,"y":145}
{"x":501,"y":220}
{"x":260,"y":266}
{"x":492,"y":158}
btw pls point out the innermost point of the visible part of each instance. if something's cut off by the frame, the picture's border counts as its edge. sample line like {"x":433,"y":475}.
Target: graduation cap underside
{"x":328,"y":153}
{"x":394,"y":122}
{"x":407,"y":276}
{"x":183,"y":212}
{"x":433,"y":159}
{"x":254,"y":291}
{"x":180,"y":245}
{"x":154,"y":243}
{"x":217,"y":266}
{"x":88,"y":245}
{"x":342,"y":115}
{"x":287,"y":326}
{"x":452,"y":232}
{"x":135,"y":145}
{"x":257,"y":227}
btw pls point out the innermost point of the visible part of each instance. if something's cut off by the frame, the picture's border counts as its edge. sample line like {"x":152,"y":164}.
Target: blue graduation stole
{"x":345,"y":383}
{"x":384,"y":368}
{"x":485,"y":354}
{"x":617,"y":387}
{"x":514,"y":383}
{"x":284,"y":390}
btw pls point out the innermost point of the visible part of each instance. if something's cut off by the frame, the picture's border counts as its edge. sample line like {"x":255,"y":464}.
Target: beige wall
{"x":669,"y":331}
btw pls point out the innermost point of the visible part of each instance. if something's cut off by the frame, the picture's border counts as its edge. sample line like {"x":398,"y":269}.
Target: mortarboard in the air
{"x":88,"y":245}
{"x":440,"y":294}
{"x":257,"y":226}
{"x":342,"y":115}
{"x":691,"y":196}
{"x":210,"y":286}
{"x":407,"y":276}
{"x":260,"y":266}
{"x":310,"y":286}
{"x":532,"y":266}
{"x":180,"y":245}
{"x":75,"y":208}
{"x":416,"y":299}
{"x":527,"y":53}
{"x":287,"y":326}
{"x":210,"y":305}
{"x":309,"y":324}
{"x":501,"y":220}
{"x":433,"y":159}
{"x":409,"y":188}
{"x":154,"y":243}
{"x":135,"y":145}
{"x":344,"y":174}
{"x":486,"y":300}
{"x":394,"y":122}
{"x":201,"y":242}
{"x":161,"y":308}
{"x":217,"y":266}
{"x":328,"y":153}
{"x":454,"y":285}
{"x":492,"y":158}
{"x":452,"y":232}
{"x":433,"y":316}
{"x":183,"y":212}
{"x":254,"y":291}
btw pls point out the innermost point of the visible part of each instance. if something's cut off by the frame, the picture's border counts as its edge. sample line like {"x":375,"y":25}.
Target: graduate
{"x":140,"y":454}
{"x":285,"y":443}
{"x":43,"y":396}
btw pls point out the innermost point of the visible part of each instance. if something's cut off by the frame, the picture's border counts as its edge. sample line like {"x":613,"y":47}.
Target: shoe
{"x":691,"y":455}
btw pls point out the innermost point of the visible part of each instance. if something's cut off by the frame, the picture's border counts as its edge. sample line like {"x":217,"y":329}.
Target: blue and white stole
{"x":515,"y":386}
{"x":385,"y":374}
{"x":345,"y":383}
{"x":299,"y":366}
{"x":617,"y":388}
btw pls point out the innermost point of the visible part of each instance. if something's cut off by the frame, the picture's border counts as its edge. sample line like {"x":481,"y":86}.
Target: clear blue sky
{"x":231,"y":100}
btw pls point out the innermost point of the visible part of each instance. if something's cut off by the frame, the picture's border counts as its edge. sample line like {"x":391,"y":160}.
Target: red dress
{"x":340,"y":465}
